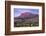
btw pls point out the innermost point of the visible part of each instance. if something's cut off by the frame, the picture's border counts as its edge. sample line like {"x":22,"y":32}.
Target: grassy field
{"x":26,"y":24}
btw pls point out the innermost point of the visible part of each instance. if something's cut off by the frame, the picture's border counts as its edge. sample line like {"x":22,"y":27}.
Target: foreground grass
{"x":26,"y":24}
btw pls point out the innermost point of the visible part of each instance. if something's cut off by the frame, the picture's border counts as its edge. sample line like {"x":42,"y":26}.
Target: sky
{"x":18,"y":11}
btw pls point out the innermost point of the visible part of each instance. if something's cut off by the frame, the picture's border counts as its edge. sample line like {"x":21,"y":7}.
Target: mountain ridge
{"x":27,"y":15}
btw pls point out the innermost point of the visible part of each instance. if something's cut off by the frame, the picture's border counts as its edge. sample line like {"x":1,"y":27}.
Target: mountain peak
{"x":25,"y":14}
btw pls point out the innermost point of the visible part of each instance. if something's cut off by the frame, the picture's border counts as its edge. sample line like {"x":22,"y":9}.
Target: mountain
{"x":26,"y":19}
{"x":27,"y":15}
